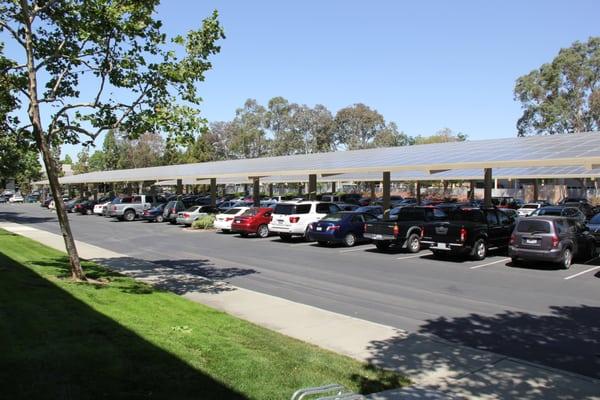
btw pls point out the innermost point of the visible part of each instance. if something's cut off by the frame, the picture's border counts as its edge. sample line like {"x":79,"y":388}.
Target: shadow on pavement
{"x":567,"y":339}
{"x":54,"y":346}
{"x":177,"y":276}
{"x":18,"y":218}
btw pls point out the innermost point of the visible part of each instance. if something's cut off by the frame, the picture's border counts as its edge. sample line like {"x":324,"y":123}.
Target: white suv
{"x":293,"y":217}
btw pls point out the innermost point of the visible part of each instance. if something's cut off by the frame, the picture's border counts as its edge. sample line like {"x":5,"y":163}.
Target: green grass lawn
{"x":65,"y":340}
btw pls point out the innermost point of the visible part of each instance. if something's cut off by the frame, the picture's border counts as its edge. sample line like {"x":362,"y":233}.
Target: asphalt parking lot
{"x":540,"y":313}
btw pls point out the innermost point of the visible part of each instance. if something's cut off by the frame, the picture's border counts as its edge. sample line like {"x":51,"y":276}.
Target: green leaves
{"x":561,"y":96}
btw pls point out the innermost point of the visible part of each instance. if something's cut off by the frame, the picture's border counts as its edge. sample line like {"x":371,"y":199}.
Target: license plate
{"x":378,"y":236}
{"x":280,"y":221}
{"x":531,"y":241}
{"x":319,"y":228}
{"x":442,"y":245}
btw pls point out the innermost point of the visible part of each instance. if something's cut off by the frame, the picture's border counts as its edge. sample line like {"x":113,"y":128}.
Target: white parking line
{"x":490,"y":263}
{"x":356,"y":249}
{"x":302,"y":244}
{"x":413,"y":256}
{"x":582,"y":272}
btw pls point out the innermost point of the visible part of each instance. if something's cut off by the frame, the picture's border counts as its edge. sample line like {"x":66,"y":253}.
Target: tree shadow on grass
{"x":481,"y":356}
{"x":54,"y":346}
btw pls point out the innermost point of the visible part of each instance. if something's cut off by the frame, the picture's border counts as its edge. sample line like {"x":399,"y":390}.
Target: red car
{"x":253,"y":221}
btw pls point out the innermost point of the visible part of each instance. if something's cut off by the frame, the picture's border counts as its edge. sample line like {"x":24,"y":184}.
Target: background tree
{"x":110,"y":151}
{"x":249,"y":139}
{"x":68,"y":160}
{"x":390,"y":136}
{"x":562,"y":96}
{"x":220,"y":134}
{"x":83,"y":159}
{"x":444,"y":135}
{"x":356,"y":126}
{"x":144,"y":151}
{"x":201,"y":150}
{"x":97,"y":161}
{"x":142,"y":82}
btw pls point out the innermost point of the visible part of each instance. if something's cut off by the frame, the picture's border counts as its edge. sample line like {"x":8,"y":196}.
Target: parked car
{"x":469,"y":231}
{"x":511,"y":212}
{"x":100,"y":206}
{"x":292,"y":218}
{"x":86,"y":207}
{"x":552,"y":239}
{"x":129,"y":208}
{"x":345,"y":227}
{"x":559,"y":211}
{"x":347,"y":206}
{"x":154,"y":213}
{"x":593,"y":226}
{"x":376,"y":211}
{"x":32,"y":198}
{"x":16,"y":198}
{"x":46,"y":202}
{"x":528,"y":208}
{"x":253,"y":221}
{"x":584,"y":207}
{"x":3,"y":199}
{"x":172,"y":210}
{"x":224,"y":220}
{"x":70,"y":205}
{"x":188,"y":216}
{"x":403,"y":227}
{"x":507,"y":202}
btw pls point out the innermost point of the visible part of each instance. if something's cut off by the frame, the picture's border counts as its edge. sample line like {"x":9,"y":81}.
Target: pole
{"x":487,"y":191}
{"x":418,"y":192}
{"x":256,"y":191}
{"x":213,"y":192}
{"x":386,"y":190}
{"x":312,"y":187}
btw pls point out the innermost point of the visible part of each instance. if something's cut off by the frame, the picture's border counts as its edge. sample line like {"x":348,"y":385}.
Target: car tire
{"x":88,"y":212}
{"x":262,"y":231}
{"x":515,"y":262}
{"x":349,"y":240}
{"x":172,"y":222}
{"x":479,"y":251}
{"x":129,"y":215}
{"x":413,"y":243}
{"x":382,"y":244}
{"x":566,"y":259}
{"x":243,"y":234}
{"x":286,"y":237}
{"x":160,"y":218}
{"x":322,"y":243}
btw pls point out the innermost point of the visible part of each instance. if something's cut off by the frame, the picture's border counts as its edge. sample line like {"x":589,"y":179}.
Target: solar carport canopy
{"x":581,"y":149}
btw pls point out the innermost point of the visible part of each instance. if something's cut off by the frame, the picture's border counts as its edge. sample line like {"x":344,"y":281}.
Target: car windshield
{"x":530,"y":206}
{"x":192,"y":208}
{"x":232,"y":211}
{"x":287,"y":209}
{"x":548,"y":211}
{"x":333,"y":217}
{"x":250,"y":212}
{"x":465,"y":215}
{"x":533,"y":226}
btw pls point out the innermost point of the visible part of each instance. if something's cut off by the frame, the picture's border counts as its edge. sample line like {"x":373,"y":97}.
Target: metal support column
{"x":418,"y":192}
{"x":256,"y":191}
{"x":487,"y":185}
{"x":179,"y":190}
{"x":333,"y":188}
{"x":536,"y":193}
{"x":213,"y":192}
{"x":472,"y":191}
{"x":312,"y":187}
{"x":270,"y":190}
{"x":372,"y":187}
{"x":386,"y":190}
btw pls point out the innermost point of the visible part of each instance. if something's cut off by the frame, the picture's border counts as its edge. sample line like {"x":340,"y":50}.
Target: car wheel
{"x":479,"y":250}
{"x":88,"y":212}
{"x":263,"y":231}
{"x":243,"y":234}
{"x":382,"y":245}
{"x":413,"y":244}
{"x":515,"y":262}
{"x":322,"y":243}
{"x":567,"y":258}
{"x":172,"y":222}
{"x":349,"y":240}
{"x":286,"y":237}
{"x":129,"y":215}
{"x":160,"y":218}
{"x":306,"y":235}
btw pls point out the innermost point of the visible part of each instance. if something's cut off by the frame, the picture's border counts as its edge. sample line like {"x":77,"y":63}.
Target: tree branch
{"x":14,"y":33}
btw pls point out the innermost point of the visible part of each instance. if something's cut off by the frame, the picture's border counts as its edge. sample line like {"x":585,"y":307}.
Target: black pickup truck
{"x":469,"y":231}
{"x":402,"y":227}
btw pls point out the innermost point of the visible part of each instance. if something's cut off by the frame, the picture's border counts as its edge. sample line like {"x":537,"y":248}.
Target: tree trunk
{"x":43,"y":146}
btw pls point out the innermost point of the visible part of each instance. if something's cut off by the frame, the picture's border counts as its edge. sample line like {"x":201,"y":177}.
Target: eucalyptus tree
{"x":85,"y":67}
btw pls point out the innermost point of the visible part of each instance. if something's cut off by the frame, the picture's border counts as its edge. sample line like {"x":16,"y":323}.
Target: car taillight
{"x":229,"y":219}
{"x":555,"y":241}
{"x":422,"y":232}
{"x":513,"y":239}
{"x":364,"y":227}
{"x":186,"y":215}
{"x":173,"y":210}
{"x":114,"y":208}
{"x":293,"y":220}
{"x":333,"y":227}
{"x":463,"y":234}
{"x":396,"y":231}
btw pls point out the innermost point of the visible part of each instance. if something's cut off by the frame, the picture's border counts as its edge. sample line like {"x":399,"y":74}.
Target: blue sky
{"x":423,"y":64}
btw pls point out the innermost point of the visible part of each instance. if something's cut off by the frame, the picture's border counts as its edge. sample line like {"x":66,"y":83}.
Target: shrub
{"x":205,"y":222}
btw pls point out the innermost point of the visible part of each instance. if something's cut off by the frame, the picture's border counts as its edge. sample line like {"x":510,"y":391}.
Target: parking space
{"x":417,"y":292}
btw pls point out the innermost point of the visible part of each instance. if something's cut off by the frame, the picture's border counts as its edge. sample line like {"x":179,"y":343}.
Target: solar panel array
{"x":581,"y":150}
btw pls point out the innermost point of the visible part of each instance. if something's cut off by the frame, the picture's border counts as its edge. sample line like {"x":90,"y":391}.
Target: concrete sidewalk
{"x":439,"y":369}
